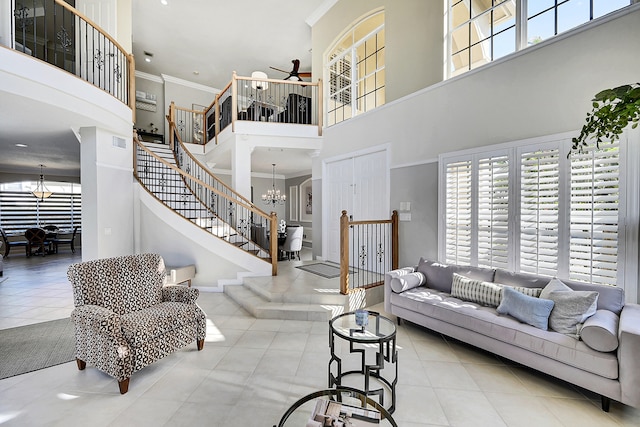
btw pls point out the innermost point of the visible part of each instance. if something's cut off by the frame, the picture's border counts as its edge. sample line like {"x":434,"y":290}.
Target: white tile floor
{"x":251,"y":370}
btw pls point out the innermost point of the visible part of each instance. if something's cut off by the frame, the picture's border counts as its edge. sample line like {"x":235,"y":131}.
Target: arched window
{"x":354,"y":70}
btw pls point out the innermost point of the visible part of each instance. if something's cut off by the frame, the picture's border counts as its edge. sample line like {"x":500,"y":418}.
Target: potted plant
{"x":613,"y":110}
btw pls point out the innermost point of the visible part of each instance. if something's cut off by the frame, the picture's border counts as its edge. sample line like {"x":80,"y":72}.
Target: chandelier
{"x":273,"y":196}
{"x":41,"y":192}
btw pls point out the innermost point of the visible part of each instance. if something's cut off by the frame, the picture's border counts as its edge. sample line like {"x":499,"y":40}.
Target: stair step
{"x":263,"y":309}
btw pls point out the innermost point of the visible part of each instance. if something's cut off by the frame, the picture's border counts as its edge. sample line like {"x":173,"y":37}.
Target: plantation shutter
{"x":539,"y":211}
{"x":593,"y":246}
{"x":493,"y":212}
{"x":458,"y":213}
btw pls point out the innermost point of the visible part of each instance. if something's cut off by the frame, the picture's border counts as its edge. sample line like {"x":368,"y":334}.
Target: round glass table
{"x":366,"y":332}
{"x":338,"y":407}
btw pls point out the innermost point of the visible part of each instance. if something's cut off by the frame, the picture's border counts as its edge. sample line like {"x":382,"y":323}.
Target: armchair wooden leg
{"x":124,"y":386}
{"x":200,"y":344}
{"x":81,"y":364}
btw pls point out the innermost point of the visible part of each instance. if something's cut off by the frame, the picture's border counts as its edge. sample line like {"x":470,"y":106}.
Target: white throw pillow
{"x":571,"y":309}
{"x":407,"y":281}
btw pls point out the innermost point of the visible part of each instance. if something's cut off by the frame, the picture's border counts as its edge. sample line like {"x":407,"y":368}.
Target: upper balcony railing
{"x":251,"y":99}
{"x":55,"y":32}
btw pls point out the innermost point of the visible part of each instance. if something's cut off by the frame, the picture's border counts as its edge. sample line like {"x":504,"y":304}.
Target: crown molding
{"x":147,"y":76}
{"x":187,"y":83}
{"x":319,"y":12}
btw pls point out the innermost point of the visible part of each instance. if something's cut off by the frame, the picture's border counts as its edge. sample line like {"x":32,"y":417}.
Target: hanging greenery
{"x":613,"y":110}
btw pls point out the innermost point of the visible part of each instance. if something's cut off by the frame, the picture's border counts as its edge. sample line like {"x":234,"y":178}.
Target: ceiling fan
{"x":294,"y":72}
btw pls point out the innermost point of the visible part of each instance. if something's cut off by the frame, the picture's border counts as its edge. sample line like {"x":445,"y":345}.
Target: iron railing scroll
{"x":55,"y":32}
{"x":368,"y":249}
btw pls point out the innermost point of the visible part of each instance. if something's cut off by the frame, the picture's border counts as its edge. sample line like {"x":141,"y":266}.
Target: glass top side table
{"x":380,"y":334}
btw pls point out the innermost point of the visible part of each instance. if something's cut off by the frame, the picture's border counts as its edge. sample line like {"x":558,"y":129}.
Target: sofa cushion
{"x":531,"y":310}
{"x":571,"y":309}
{"x":140,"y":327}
{"x":407,"y":281}
{"x":485,"y":293}
{"x":600,"y":331}
{"x":554,"y":284}
{"x":520,"y":279}
{"x":486,"y":321}
{"x":440,"y":276}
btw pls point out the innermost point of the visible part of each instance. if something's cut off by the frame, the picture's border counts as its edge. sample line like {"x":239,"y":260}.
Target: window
{"x":481,"y":31}
{"x":529,"y":208}
{"x":355,"y":70}
{"x":20,"y":210}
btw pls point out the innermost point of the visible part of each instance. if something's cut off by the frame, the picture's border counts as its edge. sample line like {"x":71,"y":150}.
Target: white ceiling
{"x":212,"y":37}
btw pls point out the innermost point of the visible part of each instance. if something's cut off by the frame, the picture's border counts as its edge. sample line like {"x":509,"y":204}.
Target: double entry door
{"x":359,"y":185}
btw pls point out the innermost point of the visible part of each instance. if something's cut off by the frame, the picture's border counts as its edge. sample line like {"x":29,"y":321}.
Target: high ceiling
{"x":210,"y":37}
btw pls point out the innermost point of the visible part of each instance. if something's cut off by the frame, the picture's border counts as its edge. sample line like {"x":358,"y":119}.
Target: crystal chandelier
{"x":41,"y":192}
{"x":273,"y":196}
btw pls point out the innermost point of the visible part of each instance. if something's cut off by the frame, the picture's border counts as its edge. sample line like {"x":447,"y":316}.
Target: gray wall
{"x":419,"y":186}
{"x":145,"y":118}
{"x":543,"y":90}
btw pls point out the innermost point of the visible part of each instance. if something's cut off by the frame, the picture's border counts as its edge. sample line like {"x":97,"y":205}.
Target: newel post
{"x":395,"y":246}
{"x":273,"y":243}
{"x":234,"y":101}
{"x":172,"y":119}
{"x":344,"y":253}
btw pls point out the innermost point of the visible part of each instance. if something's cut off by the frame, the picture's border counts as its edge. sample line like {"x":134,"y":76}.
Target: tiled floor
{"x":251,"y":370}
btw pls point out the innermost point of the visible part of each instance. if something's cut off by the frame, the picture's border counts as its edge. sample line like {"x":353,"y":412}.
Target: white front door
{"x":340,"y":191}
{"x":358,"y":185}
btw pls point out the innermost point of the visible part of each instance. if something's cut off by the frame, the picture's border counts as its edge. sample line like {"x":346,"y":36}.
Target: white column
{"x":106,"y":175}
{"x":6,"y":23}
{"x":241,"y":167}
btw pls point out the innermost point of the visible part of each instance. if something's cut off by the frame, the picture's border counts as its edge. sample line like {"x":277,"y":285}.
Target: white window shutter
{"x":539,"y":211}
{"x":595,"y":193}
{"x":458,"y":213}
{"x":493,"y":212}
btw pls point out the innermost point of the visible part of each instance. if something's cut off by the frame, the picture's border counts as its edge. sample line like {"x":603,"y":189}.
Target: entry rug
{"x":328,"y":271}
{"x":38,"y":346}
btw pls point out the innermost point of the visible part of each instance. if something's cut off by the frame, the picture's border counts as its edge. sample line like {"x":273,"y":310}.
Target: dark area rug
{"x":38,"y":346}
{"x":328,"y":271}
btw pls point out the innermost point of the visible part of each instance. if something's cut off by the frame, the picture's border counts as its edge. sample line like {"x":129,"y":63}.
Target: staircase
{"x":292,"y":295}
{"x":169,"y":186}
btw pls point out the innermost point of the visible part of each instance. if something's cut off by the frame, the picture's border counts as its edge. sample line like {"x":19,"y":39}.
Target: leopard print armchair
{"x":125,"y":318}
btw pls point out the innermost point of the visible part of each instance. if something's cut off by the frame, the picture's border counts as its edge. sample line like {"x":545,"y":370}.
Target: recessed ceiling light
{"x":164,"y":2}
{"x":196,"y":72}
{"x":22,"y":145}
{"x":148,"y":56}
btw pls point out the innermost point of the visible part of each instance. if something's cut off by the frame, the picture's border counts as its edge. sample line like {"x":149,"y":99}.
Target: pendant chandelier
{"x":41,"y":192}
{"x":273,"y":196}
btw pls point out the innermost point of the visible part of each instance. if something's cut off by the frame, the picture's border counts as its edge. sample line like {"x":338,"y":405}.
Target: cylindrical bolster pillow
{"x":600,"y":331}
{"x":408,"y":281}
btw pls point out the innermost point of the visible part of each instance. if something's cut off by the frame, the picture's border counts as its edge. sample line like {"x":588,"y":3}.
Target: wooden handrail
{"x":130,"y":59}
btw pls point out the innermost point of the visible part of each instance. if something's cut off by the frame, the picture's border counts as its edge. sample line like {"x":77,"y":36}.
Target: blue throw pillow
{"x":530,"y":310}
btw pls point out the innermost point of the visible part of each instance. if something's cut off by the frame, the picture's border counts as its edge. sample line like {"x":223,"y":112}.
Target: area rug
{"x":328,"y":271}
{"x":32,"y":347}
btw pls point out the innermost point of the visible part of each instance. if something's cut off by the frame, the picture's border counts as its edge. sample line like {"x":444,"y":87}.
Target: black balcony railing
{"x":55,"y":32}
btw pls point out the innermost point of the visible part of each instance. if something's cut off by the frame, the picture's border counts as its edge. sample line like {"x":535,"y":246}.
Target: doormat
{"x":328,"y":271}
{"x":38,"y":346}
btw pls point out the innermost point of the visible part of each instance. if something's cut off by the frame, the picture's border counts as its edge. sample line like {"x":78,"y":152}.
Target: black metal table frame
{"x":335,"y":394}
{"x":386,"y":351}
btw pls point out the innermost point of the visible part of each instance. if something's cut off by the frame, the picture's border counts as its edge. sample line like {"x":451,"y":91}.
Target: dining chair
{"x":8,"y":244}
{"x":293,"y":241}
{"x":35,"y":241}
{"x":66,"y":241}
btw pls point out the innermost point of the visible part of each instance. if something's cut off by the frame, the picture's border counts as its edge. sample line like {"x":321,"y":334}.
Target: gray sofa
{"x":613,"y":371}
